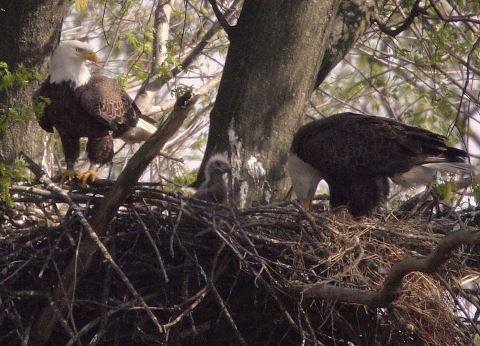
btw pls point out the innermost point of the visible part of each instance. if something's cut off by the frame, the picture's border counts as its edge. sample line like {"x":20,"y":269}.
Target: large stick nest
{"x":190,"y":273}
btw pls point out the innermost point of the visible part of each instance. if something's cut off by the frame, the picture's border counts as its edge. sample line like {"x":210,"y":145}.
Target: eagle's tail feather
{"x":425,"y":173}
{"x":451,"y":167}
{"x":139,"y":133}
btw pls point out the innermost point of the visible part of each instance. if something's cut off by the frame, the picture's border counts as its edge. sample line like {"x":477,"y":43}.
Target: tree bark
{"x":30,"y":32}
{"x":351,"y":21}
{"x":275,"y":61}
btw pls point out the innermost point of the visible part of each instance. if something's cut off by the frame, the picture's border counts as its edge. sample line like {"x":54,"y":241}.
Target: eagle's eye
{"x":78,"y":49}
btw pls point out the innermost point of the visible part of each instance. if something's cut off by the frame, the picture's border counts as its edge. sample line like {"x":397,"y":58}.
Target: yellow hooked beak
{"x":307,"y":204}
{"x":89,"y":55}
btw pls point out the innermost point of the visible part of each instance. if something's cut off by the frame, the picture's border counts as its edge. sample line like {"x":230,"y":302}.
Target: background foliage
{"x":416,"y":63}
{"x":423,"y":74}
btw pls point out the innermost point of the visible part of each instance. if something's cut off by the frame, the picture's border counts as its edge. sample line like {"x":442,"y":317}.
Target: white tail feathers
{"x":139,"y":133}
{"x":426,"y":173}
{"x":150,"y":128}
{"x":451,"y":167}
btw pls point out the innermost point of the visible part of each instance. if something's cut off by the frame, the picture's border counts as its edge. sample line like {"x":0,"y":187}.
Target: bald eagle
{"x":214,"y":188}
{"x":355,"y":154}
{"x":78,"y":104}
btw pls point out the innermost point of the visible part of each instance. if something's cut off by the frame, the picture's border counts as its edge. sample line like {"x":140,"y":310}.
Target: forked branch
{"x":221,"y":18}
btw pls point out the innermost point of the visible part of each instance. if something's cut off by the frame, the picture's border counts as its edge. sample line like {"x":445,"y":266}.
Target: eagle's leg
{"x":85,"y":178}
{"x":71,"y":148}
{"x":99,"y":150}
{"x":67,"y":175}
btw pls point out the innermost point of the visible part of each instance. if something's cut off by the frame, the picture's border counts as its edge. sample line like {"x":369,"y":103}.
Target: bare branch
{"x":221,"y":19}
{"x":452,"y":18}
{"x":151,"y":85}
{"x":416,"y":10}
{"x":204,"y":89}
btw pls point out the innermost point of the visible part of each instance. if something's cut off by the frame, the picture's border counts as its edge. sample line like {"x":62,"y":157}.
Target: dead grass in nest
{"x":213,"y":276}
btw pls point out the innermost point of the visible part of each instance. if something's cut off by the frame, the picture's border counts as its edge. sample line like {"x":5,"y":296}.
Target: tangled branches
{"x":175,"y":271}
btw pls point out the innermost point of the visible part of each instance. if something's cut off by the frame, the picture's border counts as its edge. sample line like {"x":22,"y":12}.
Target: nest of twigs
{"x":178,"y":272}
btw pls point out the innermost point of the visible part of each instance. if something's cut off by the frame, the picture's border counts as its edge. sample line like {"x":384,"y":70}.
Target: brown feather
{"x":105,"y":100}
{"x":355,"y":154}
{"x":101,"y":108}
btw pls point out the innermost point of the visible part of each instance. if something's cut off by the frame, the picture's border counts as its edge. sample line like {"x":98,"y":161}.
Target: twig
{"x":197,"y":298}
{"x":152,"y":242}
{"x":105,"y":213}
{"x":221,"y":19}
{"x":416,"y":10}
{"x":227,"y":314}
{"x":97,"y":320}
{"x":430,"y":237}
{"x":392,"y":286}
{"x":311,"y":221}
{"x":75,"y":197}
{"x":457,"y":302}
{"x":96,"y":241}
{"x":259,"y":278}
{"x":452,"y":18}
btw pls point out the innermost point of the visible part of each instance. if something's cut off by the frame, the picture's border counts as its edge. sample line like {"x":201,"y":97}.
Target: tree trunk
{"x":352,"y":19}
{"x":149,"y":88}
{"x":274,"y":62}
{"x":30,"y":31}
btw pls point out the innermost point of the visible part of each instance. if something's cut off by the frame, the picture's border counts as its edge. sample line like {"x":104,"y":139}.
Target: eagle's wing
{"x":41,"y":99}
{"x":106,"y":101}
{"x":350,"y":144}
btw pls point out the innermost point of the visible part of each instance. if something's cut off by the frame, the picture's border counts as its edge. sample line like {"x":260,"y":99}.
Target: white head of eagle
{"x":68,"y":63}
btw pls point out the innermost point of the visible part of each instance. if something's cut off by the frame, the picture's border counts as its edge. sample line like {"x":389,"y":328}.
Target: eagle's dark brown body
{"x":99,"y":110}
{"x":355,"y":154}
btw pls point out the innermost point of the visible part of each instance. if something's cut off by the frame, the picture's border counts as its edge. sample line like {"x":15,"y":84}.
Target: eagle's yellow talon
{"x":67,"y":175}
{"x":87,"y":178}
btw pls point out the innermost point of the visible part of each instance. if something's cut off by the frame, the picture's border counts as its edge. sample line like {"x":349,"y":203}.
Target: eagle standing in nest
{"x":356,"y":154}
{"x":214,"y":188}
{"x":78,"y":104}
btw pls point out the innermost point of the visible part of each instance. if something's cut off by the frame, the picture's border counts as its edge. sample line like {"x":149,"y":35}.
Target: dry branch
{"x":392,"y":288}
{"x":237,"y":277}
{"x":80,"y":264}
{"x":415,"y":12}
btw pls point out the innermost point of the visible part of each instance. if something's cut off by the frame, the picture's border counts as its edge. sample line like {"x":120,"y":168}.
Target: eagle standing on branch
{"x":356,"y":154}
{"x":78,"y":104}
